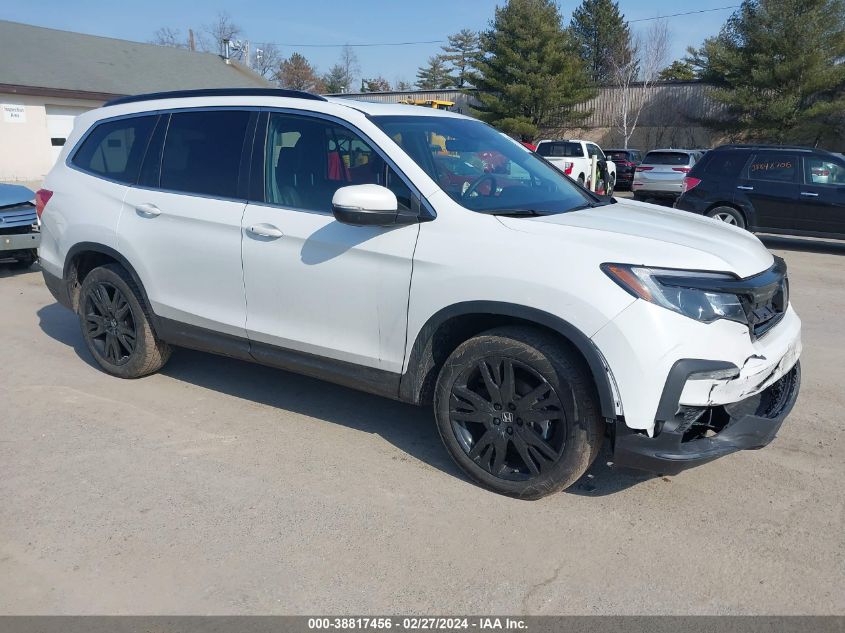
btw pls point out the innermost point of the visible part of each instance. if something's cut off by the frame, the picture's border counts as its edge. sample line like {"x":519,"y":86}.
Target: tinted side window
{"x":595,"y":150}
{"x":115,"y":149}
{"x":775,"y":166}
{"x":725,"y":164}
{"x":202,"y":152}
{"x":308,"y":159}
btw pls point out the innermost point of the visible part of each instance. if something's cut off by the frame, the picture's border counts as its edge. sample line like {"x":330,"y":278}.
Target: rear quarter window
{"x":115,"y":149}
{"x":724,"y":164}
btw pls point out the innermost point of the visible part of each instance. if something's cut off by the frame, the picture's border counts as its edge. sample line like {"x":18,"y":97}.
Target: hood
{"x":14,"y":194}
{"x":664,"y":237}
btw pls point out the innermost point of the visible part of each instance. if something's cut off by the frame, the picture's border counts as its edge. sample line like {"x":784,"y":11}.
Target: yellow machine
{"x":437,"y":104}
{"x":430,"y":103}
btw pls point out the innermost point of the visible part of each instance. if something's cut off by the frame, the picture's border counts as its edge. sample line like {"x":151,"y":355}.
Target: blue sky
{"x":338,"y":21}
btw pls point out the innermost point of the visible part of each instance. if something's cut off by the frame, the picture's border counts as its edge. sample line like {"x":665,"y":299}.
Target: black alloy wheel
{"x":517,"y":410}
{"x":116,"y":326}
{"x":110,"y":324}
{"x":508,"y":418}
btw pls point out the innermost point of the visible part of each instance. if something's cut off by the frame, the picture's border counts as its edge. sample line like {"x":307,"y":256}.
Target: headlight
{"x":665,"y":287}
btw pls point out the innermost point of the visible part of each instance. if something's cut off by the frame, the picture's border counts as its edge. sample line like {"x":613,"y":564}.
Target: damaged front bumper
{"x":695,"y":435}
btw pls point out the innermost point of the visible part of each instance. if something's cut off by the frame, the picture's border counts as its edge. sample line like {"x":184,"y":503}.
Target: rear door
{"x":821,"y":201}
{"x":770,"y":183}
{"x":181,"y":225}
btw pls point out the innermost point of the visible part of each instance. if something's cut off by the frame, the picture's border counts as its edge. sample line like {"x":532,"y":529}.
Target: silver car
{"x":661,"y":173}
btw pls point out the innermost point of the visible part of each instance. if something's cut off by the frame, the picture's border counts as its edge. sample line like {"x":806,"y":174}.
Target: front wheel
{"x":518,"y":412}
{"x":115,"y":326}
{"x":728,"y":215}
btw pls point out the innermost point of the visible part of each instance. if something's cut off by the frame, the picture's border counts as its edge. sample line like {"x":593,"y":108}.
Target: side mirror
{"x":365,"y":205}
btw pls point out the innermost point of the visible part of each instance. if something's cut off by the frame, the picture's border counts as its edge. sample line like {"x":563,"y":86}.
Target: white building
{"x":47,"y":77}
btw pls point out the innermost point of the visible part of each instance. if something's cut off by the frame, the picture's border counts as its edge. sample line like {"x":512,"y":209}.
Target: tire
{"x":639,"y":197}
{"x":612,"y":187}
{"x":728,"y":215}
{"x":582,"y":181}
{"x":484,"y":430}
{"x":116,"y":326}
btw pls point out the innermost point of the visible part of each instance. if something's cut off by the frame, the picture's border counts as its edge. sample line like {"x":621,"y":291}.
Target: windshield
{"x":617,"y":156}
{"x":482,"y":169}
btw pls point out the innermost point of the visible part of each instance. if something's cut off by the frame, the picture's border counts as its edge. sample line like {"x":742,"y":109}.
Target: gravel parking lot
{"x":220,"y":487}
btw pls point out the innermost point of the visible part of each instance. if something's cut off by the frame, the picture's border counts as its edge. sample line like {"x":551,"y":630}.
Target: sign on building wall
{"x":13,"y":113}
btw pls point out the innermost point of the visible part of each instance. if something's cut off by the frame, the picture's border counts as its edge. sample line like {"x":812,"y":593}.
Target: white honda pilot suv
{"x":423,"y":256}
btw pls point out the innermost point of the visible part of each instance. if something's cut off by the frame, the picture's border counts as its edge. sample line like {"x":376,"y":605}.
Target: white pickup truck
{"x":573,"y":157}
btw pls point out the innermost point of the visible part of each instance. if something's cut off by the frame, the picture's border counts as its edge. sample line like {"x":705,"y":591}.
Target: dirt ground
{"x":220,"y":487}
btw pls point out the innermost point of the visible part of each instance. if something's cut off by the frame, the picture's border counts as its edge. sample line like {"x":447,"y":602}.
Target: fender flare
{"x":421,"y":362}
{"x":96,"y":247}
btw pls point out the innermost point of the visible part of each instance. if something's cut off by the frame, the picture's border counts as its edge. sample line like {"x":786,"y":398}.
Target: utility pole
{"x":192,"y":45}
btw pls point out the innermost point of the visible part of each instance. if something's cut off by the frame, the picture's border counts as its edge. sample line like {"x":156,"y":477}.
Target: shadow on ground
{"x":410,"y":429}
{"x":808,"y":245}
{"x":11,"y":267}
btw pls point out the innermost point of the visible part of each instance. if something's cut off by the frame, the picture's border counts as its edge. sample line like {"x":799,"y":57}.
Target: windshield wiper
{"x":514,"y":213}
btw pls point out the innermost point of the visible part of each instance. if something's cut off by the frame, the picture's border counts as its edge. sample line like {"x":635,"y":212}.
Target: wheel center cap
{"x":507,"y":417}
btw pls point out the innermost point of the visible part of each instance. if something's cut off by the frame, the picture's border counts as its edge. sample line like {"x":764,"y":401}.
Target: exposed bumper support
{"x":19,"y":241}
{"x":697,"y":435}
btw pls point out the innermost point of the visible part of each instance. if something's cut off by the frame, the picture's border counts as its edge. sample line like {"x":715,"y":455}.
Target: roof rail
{"x":217,"y":92}
{"x":767,"y":146}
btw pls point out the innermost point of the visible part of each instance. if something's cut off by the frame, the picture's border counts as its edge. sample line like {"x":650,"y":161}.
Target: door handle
{"x":809,"y":194}
{"x":744,"y":188}
{"x":264,"y":230}
{"x":147,"y":210}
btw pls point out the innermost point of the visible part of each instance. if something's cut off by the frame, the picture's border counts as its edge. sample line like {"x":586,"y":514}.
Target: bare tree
{"x":349,"y":63}
{"x":266,"y":60}
{"x":166,"y":36}
{"x":223,"y":28}
{"x":635,"y":67}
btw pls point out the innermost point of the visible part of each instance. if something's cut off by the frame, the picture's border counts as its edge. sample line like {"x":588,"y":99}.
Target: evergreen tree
{"x":435,"y":75}
{"x":297,"y":73}
{"x":462,"y":50}
{"x":336,"y":80}
{"x":377,"y":84}
{"x":601,"y":32}
{"x":678,"y":70}
{"x":530,"y":76}
{"x":777,"y":67}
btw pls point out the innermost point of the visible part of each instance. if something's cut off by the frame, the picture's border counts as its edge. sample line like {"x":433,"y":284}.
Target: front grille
{"x":17,"y":215}
{"x":765,"y":306}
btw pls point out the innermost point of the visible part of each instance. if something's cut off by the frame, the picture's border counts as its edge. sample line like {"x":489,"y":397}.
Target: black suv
{"x":769,"y":188}
{"x":626,"y":160}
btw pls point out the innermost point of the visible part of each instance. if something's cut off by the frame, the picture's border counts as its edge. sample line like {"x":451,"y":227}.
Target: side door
{"x":315,"y":285}
{"x":821,"y":206}
{"x":181,"y":225}
{"x":770,"y":184}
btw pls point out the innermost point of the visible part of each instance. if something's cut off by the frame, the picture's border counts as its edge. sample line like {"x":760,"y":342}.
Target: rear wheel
{"x":728,"y":215}
{"x":115,"y":326}
{"x":518,"y":412}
